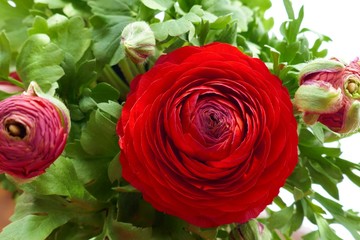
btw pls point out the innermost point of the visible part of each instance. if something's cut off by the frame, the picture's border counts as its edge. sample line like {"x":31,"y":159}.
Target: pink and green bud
{"x":329,"y":92}
{"x":33,"y":133}
{"x":138,"y":41}
{"x":321,"y":66}
{"x":318,"y":97}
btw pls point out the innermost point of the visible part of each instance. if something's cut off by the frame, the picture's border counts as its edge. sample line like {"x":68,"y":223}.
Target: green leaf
{"x":161,"y":5}
{"x":281,"y":218}
{"x":120,"y":230}
{"x":289,"y":9}
{"x":74,"y":39}
{"x":111,"y":16}
{"x":221,"y":22}
{"x":111,"y":108}
{"x":307,"y":138}
{"x":300,"y":178}
{"x":261,"y":4}
{"x":325,"y":231}
{"x":242,"y":14}
{"x":99,"y":135}
{"x":59,"y":179}
{"x":5,"y":55}
{"x":311,"y":236}
{"x":33,"y":227}
{"x":114,"y":169}
{"x":291,"y":29}
{"x":92,"y":171}
{"x":104,"y":92}
{"x":297,"y":219}
{"x":87,"y":104}
{"x":320,"y":177}
{"x":12,"y":21}
{"x":171,"y":28}
{"x":347,"y":168}
{"x":348,"y":219}
{"x":228,"y":35}
{"x":39,"y":61}
{"x":69,"y":34}
{"x":318,"y":131}
{"x":36,"y":217}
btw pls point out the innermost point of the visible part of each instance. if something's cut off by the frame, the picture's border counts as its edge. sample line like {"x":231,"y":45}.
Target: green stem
{"x":134,"y":68}
{"x":15,"y":82}
{"x":114,"y":80}
{"x":141,"y":68}
{"x":126,"y":70}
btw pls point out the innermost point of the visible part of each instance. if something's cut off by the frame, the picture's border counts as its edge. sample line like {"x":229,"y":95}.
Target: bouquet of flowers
{"x":170,"y":119}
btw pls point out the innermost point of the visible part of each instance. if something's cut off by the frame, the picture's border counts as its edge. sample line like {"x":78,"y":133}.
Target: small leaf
{"x":171,"y":28}
{"x":99,"y":135}
{"x":111,"y":108}
{"x":104,"y":92}
{"x":33,"y":227}
{"x":161,"y":5}
{"x":325,"y":231}
{"x":221,"y":22}
{"x":281,"y":218}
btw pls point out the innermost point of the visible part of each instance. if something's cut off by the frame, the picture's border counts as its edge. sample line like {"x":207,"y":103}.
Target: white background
{"x":340,"y":20}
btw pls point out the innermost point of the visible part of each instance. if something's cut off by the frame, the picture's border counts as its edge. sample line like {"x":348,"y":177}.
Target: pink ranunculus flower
{"x":33,"y":133}
{"x":329,"y":93}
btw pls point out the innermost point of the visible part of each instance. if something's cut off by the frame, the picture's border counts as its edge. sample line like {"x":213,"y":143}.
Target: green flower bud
{"x":139,"y":41}
{"x":318,"y":97}
{"x":252,"y":230}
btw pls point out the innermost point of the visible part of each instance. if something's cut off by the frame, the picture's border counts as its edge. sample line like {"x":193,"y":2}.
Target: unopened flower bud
{"x":139,"y":41}
{"x":319,"y":97}
{"x":329,"y":92}
{"x":33,"y":133}
{"x":322,"y":66}
{"x":252,"y":230}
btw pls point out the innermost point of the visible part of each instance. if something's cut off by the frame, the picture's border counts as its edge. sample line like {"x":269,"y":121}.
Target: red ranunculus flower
{"x":33,"y":133}
{"x":208,"y":135}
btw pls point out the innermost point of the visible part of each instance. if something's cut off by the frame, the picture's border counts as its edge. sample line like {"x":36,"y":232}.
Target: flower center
{"x":15,"y":129}
{"x":214,"y":123}
{"x":352,"y":87}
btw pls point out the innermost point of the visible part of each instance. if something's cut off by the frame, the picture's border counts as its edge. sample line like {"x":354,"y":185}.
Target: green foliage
{"x":5,"y":55}
{"x":73,"y":47}
{"x":39,"y":60}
